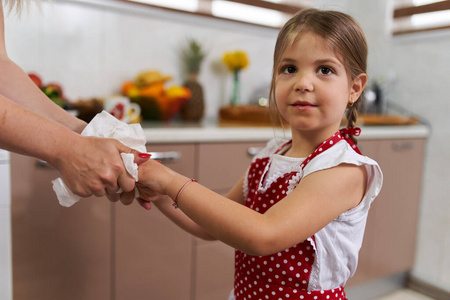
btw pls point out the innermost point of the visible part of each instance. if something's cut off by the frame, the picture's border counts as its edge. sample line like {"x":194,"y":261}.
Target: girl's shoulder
{"x":342,"y":153}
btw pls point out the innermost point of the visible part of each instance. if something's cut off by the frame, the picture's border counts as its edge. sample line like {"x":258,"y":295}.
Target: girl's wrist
{"x":176,"y":186}
{"x":175,"y":200}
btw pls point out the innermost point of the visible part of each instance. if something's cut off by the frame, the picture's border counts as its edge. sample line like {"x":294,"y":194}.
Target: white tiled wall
{"x":91,"y":48}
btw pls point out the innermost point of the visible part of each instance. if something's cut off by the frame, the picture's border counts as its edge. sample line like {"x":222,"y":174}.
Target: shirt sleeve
{"x":343,"y":153}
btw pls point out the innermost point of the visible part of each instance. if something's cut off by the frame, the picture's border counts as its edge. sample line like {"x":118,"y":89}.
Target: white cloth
{"x":338,"y":243}
{"x":105,"y":125}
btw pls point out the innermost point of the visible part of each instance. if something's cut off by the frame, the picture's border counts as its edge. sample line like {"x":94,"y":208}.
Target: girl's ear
{"x":358,"y":84}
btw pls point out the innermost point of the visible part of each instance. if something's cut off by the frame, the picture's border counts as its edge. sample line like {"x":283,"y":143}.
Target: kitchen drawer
{"x":221,"y":165}
{"x":179,"y":157}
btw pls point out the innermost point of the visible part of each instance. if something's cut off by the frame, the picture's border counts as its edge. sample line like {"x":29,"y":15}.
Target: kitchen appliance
{"x":5,"y":227}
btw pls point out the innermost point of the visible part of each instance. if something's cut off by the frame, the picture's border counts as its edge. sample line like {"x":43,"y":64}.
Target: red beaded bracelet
{"x":179,"y":192}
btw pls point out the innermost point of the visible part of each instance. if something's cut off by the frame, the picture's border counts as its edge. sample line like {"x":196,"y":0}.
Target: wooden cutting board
{"x":384,"y":120}
{"x":255,"y":116}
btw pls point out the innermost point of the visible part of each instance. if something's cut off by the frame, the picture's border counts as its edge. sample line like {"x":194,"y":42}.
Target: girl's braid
{"x":352,"y":115}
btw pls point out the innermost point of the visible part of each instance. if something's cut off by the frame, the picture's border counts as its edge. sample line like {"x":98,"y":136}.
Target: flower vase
{"x":235,"y":97}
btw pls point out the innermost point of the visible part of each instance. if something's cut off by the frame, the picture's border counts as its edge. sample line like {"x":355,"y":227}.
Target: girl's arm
{"x":165,"y":205}
{"x":316,"y":201}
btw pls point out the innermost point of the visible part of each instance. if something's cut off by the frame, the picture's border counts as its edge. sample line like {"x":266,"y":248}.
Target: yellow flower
{"x":235,"y":60}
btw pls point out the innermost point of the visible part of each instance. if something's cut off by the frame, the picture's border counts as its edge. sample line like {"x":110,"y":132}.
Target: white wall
{"x":91,"y":50}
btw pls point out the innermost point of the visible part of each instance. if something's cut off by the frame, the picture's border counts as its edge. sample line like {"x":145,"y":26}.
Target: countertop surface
{"x":211,"y":132}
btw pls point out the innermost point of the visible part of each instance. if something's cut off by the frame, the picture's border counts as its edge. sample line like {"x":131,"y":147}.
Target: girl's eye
{"x":325,"y":71}
{"x":289,"y":69}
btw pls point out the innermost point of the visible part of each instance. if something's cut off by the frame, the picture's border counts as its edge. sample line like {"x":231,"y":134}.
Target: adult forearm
{"x":16,"y":86}
{"x":23,"y":131}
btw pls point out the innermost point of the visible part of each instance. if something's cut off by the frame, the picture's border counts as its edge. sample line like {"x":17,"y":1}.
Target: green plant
{"x":192,"y":57}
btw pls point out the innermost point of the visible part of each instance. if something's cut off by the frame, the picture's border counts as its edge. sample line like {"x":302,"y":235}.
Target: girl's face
{"x":312,"y":86}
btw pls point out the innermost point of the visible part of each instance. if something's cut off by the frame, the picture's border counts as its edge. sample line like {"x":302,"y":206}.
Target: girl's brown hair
{"x":342,"y":33}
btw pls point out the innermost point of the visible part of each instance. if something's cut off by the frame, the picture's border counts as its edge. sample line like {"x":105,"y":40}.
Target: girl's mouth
{"x":303,"y":105}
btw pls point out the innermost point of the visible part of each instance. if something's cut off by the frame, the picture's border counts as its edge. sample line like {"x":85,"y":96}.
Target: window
{"x":268,"y":13}
{"x":412,"y":16}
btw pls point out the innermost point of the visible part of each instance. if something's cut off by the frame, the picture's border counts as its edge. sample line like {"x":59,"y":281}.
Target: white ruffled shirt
{"x":338,"y":243}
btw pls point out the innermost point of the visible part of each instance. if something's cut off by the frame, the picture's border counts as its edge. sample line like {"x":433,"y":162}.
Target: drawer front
{"x":178,"y":157}
{"x":221,"y":165}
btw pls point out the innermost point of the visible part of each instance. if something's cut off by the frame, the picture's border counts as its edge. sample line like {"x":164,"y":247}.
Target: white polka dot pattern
{"x":283,"y":275}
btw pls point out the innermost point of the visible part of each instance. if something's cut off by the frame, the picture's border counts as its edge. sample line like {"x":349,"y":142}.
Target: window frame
{"x":407,"y":11}
{"x":283,"y":8}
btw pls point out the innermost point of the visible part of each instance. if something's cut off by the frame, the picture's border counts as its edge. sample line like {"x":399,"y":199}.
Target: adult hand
{"x":128,"y":197}
{"x":93,"y":166}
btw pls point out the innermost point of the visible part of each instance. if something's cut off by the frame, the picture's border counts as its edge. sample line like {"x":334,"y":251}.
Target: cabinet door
{"x":396,"y":211}
{"x":58,"y":252}
{"x":214,"y":268}
{"x":389,"y":241}
{"x":152,"y":255}
{"x":221,"y":165}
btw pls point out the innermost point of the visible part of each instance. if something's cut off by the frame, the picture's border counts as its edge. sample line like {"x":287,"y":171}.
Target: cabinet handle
{"x":252,"y":151}
{"x":42,"y":164}
{"x":166,"y":157}
{"x":402,"y":146}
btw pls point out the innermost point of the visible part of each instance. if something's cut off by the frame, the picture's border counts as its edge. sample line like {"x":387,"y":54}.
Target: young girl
{"x":297,"y":217}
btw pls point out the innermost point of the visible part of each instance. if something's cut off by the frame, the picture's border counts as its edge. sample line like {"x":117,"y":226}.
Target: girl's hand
{"x":154,"y":178}
{"x":149,"y":191}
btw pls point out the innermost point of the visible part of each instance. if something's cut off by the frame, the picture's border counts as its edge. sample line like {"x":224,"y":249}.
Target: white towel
{"x":106,"y":126}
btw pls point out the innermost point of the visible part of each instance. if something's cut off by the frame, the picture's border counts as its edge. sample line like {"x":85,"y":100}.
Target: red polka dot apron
{"x":286,"y":274}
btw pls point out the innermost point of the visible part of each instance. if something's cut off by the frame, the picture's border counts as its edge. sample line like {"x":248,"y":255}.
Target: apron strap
{"x":346,"y":132}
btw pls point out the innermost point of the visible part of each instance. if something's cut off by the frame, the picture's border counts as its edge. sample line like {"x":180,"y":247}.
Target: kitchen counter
{"x":212,"y":132}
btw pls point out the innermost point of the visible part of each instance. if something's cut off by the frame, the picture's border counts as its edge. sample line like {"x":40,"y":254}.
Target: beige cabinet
{"x":58,"y":252}
{"x":152,"y":255}
{"x":221,"y":165}
{"x":390,"y":238}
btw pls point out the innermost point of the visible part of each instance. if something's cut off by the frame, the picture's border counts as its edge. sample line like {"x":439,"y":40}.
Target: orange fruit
{"x":126,"y":86}
{"x":152,"y":90}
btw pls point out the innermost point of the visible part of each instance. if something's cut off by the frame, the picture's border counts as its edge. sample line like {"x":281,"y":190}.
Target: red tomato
{"x":36,"y":79}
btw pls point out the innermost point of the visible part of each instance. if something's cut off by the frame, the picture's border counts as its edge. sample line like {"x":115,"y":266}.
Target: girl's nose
{"x":303,"y":83}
